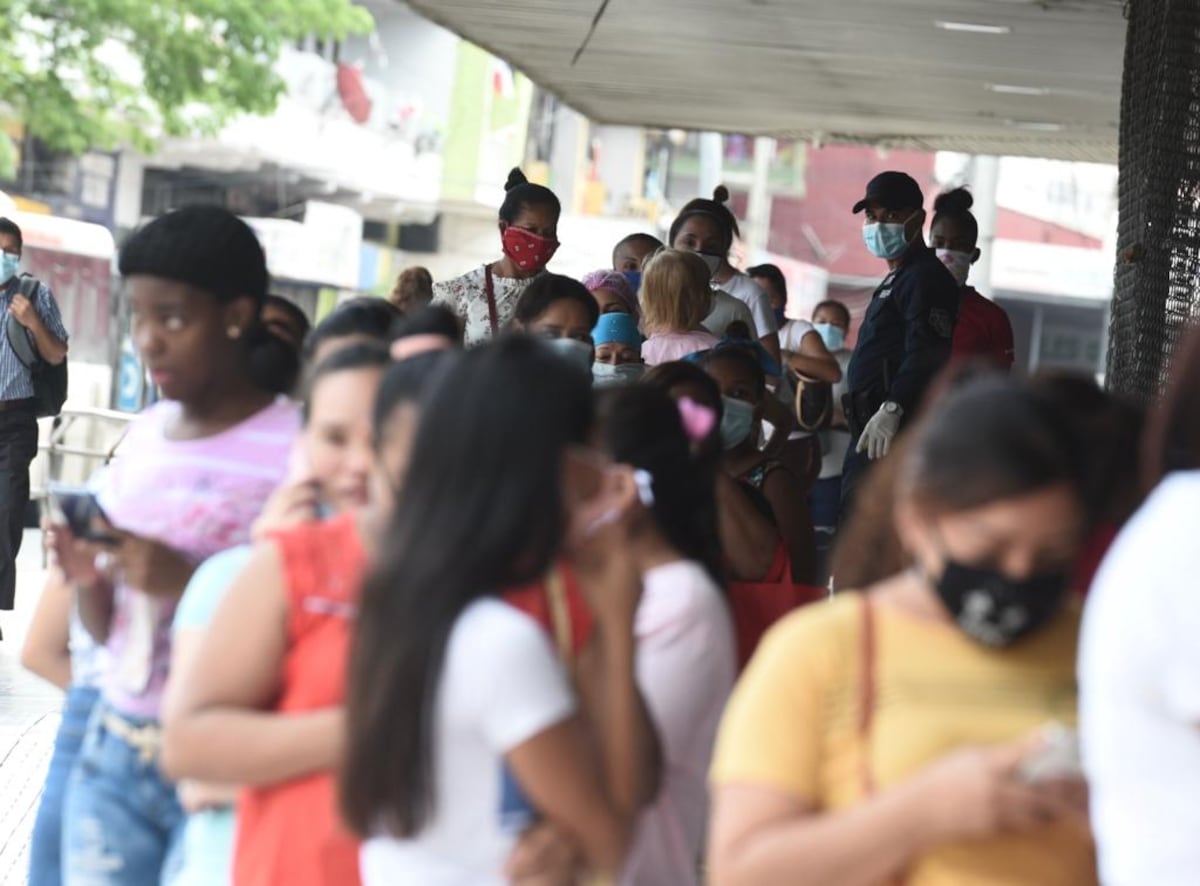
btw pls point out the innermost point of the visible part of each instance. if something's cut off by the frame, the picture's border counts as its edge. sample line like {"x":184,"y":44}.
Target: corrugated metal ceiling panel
{"x":880,"y":71}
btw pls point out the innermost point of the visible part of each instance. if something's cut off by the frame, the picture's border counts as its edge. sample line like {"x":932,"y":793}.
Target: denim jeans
{"x":45,"y":850}
{"x":825,"y":502}
{"x":123,"y":820}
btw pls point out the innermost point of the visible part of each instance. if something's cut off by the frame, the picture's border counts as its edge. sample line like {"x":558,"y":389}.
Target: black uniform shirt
{"x":905,"y":337}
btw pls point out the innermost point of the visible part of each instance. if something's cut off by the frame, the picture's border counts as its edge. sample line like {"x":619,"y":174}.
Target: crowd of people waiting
{"x":499,"y":589}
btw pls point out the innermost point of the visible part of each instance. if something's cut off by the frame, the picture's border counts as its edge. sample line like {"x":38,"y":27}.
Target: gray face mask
{"x":609,"y":375}
{"x":575,"y":352}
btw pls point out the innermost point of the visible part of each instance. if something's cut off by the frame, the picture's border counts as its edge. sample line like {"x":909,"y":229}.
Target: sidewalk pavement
{"x":29,"y":711}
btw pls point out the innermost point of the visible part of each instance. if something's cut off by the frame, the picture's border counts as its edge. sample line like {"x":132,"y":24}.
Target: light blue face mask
{"x":576,"y":352}
{"x":886,"y":240}
{"x":613,"y":375}
{"x":736,"y":423}
{"x":833,"y":336}
{"x":9,"y":263}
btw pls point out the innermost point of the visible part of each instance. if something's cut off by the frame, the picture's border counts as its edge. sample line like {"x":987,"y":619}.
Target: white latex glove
{"x":877,"y":436}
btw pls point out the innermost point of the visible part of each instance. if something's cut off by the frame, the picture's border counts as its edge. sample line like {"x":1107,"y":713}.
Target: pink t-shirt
{"x":686,"y":663}
{"x":196,"y":496}
{"x":669,"y":346}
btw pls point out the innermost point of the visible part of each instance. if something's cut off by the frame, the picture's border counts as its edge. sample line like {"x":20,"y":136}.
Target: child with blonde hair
{"x":675,"y":298}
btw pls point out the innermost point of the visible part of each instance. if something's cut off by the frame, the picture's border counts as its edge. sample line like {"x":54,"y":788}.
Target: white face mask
{"x":957,"y":263}
{"x":610,"y":375}
{"x":713,"y":262}
{"x":572,"y":350}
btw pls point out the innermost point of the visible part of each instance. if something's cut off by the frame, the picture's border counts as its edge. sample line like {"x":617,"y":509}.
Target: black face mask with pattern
{"x":996,"y":610}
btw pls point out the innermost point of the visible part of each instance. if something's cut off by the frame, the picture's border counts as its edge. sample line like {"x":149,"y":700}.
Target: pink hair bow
{"x":698,"y":420}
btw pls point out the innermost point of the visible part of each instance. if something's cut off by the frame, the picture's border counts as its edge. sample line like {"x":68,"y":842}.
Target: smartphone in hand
{"x":80,"y":510}
{"x":1058,"y":758}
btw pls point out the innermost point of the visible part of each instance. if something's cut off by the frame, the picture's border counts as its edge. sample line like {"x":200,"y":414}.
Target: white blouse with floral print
{"x":466,"y":296}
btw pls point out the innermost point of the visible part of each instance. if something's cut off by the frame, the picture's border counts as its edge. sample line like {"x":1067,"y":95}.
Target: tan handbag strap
{"x":866,"y":693}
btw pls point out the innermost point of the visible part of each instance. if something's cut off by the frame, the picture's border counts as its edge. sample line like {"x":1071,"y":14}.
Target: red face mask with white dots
{"x":528,"y":251}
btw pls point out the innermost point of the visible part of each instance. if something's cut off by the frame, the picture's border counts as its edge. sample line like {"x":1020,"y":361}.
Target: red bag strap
{"x":489,"y":290}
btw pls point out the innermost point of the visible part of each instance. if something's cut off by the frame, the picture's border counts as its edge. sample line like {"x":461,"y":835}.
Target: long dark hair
{"x":366,"y":315}
{"x":366,"y":355}
{"x":990,"y":438}
{"x":981,"y":436}
{"x":955,"y":207}
{"x":716,"y":209}
{"x":482,"y":510}
{"x":545,"y":290}
{"x":519,"y":193}
{"x":640,"y":426}
{"x":1173,"y":436}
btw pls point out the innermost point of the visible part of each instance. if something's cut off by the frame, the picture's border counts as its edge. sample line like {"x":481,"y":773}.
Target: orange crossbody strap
{"x":560,"y":613}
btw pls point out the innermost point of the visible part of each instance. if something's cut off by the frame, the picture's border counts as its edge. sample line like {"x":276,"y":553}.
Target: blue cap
{"x":617,"y":328}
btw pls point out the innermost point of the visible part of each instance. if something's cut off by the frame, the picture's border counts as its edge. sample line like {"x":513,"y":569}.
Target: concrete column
{"x":567,"y":156}
{"x":757,"y":231}
{"x":985,"y":174}
{"x":711,"y":162}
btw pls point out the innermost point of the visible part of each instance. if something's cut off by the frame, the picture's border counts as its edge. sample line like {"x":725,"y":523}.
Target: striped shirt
{"x":195,"y":496}
{"x":16,"y":381}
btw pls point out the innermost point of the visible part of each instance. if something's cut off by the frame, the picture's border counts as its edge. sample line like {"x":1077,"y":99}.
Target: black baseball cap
{"x":892,"y":190}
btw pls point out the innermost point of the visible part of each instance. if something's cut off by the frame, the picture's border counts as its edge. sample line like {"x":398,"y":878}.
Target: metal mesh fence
{"x":1157,"y":286}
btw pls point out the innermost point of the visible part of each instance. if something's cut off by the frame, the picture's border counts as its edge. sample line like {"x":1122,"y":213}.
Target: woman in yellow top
{"x":897,"y":735}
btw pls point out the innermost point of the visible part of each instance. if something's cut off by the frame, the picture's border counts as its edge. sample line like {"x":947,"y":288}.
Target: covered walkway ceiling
{"x":1032,"y":77}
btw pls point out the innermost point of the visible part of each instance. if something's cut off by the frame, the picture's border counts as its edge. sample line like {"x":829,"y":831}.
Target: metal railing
{"x":57,"y":449}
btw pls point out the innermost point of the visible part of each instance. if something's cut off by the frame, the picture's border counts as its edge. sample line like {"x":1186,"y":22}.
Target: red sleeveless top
{"x":290,"y":832}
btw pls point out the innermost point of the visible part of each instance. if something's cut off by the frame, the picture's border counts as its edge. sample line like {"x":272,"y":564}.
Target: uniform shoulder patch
{"x":942,"y":322}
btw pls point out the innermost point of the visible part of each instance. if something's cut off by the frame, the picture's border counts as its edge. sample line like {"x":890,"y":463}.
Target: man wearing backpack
{"x":29,"y":303}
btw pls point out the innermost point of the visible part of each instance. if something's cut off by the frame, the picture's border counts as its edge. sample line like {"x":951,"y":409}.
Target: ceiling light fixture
{"x":1010,"y":89}
{"x":1036,"y":126}
{"x":973,"y":28}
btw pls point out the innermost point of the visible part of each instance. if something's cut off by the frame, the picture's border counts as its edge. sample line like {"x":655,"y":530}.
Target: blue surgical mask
{"x":780,"y":316}
{"x":887,"y":240}
{"x":833,"y":336}
{"x":736,"y":423}
{"x":9,"y":263}
{"x":634,"y":278}
{"x":613,"y":375}
{"x":579,"y":353}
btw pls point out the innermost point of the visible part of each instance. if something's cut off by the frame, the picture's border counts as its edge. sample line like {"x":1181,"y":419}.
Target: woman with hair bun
{"x":983,"y":328}
{"x":484,"y":298}
{"x":708,"y":228}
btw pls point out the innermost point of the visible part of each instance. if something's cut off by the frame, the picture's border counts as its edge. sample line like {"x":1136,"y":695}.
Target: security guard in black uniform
{"x":905,"y":337}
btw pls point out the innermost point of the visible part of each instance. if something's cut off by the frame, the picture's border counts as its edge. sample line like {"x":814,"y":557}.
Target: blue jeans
{"x":45,"y":850}
{"x":123,"y":819}
{"x":825,"y":502}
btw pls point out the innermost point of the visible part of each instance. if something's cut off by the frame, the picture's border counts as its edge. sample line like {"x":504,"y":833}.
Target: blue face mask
{"x":634,"y":278}
{"x":833,"y":336}
{"x":736,"y":423}
{"x":780,"y":316}
{"x":887,"y":240}
{"x":9,"y":262}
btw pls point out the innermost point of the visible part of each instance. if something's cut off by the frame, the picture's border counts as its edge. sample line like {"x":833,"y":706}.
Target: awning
{"x":1016,"y":77}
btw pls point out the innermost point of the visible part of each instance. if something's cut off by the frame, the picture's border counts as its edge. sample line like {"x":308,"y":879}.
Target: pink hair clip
{"x":698,"y":420}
